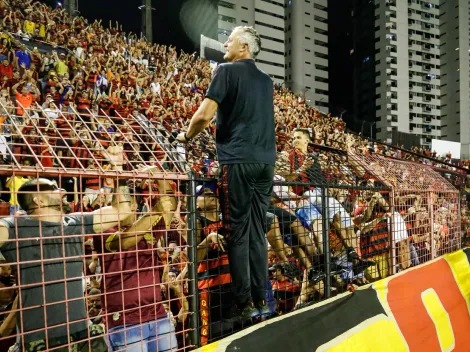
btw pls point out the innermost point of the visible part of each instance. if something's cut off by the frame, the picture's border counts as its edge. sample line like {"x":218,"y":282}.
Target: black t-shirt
{"x":245,"y":115}
{"x":49,"y":271}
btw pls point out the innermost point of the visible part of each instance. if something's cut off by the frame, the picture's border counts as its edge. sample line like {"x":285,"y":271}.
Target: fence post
{"x":192,"y":263}
{"x":326,"y":240}
{"x":431,"y":217}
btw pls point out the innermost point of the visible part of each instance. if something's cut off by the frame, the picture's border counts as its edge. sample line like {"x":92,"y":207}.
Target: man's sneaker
{"x":361,"y":265}
{"x":248,"y":312}
{"x":263,"y":310}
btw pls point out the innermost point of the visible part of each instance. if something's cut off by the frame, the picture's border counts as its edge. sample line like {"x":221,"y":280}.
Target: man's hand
{"x":217,"y":239}
{"x":150,"y":169}
{"x":115,"y":156}
{"x":181,"y":138}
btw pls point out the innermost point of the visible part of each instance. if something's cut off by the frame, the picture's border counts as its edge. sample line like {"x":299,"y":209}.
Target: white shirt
{"x":155,"y":87}
{"x":399,"y":227}
{"x":51,"y":113}
{"x":283,"y":193}
{"x":334,"y":206}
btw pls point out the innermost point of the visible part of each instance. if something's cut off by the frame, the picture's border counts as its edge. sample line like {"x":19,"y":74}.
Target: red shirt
{"x":131,"y":282}
{"x":6,"y":71}
{"x":46,"y":158}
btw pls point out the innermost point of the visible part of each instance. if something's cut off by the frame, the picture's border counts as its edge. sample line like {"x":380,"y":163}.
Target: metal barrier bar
{"x":192,"y":258}
{"x":326,"y":242}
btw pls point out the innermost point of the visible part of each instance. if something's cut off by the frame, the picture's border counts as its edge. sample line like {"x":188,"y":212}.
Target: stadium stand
{"x":346,"y":211}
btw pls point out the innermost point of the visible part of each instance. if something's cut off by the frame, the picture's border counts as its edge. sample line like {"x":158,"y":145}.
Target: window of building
{"x":269,"y":63}
{"x":320,"y":31}
{"x":320,"y":43}
{"x":277,"y":3}
{"x":320,"y":19}
{"x":226,"y":4}
{"x":271,"y":38}
{"x":227,"y":19}
{"x":269,"y":25}
{"x":321,"y":55}
{"x":278,"y":77}
{"x":273,"y":51}
{"x":270,"y":14}
{"x":321,"y":79}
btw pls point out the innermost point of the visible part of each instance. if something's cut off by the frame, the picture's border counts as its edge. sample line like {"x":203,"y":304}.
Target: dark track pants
{"x":245,"y":191}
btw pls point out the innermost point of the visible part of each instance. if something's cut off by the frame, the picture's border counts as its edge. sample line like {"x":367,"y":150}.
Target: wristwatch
{"x":186,"y":137}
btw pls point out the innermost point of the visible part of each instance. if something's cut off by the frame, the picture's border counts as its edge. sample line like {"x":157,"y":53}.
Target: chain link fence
{"x":111,"y":241}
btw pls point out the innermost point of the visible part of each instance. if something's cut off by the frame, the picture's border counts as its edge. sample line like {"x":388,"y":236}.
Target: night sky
{"x":340,"y":62}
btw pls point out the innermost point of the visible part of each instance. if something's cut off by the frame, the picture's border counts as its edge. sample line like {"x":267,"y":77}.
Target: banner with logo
{"x":426,"y":308}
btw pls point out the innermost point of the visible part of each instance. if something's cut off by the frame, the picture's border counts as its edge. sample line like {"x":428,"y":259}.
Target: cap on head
{"x":206,"y":188}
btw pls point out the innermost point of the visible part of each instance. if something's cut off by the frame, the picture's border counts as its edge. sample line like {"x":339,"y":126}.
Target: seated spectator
{"x":285,"y":289}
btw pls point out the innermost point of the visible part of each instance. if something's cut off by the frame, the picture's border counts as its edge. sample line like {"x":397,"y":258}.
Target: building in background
{"x":406,"y":67}
{"x":294,"y":41}
{"x":455,"y":75}
{"x":411,"y":71}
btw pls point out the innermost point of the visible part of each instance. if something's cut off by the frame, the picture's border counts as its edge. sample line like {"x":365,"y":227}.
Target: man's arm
{"x":201,"y":119}
{"x":9,"y":182}
{"x":133,"y":235}
{"x":370,"y":225}
{"x":164,"y":208}
{"x":3,"y":233}
{"x":178,"y":291}
{"x":108,"y":217}
{"x":14,"y":89}
{"x":167,"y":203}
{"x":9,"y":323}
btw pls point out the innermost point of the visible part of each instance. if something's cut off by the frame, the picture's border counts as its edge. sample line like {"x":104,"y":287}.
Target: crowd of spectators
{"x":98,"y":86}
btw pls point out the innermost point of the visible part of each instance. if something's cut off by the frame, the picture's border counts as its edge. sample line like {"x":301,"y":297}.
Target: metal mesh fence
{"x":95,"y":252}
{"x":113,"y":243}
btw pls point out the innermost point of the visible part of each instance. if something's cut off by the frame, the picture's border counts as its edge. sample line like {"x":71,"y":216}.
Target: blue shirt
{"x":23,"y":58}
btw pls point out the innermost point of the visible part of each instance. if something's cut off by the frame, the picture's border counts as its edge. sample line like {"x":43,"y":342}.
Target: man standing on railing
{"x":246,"y":148}
{"x":47,"y":246}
